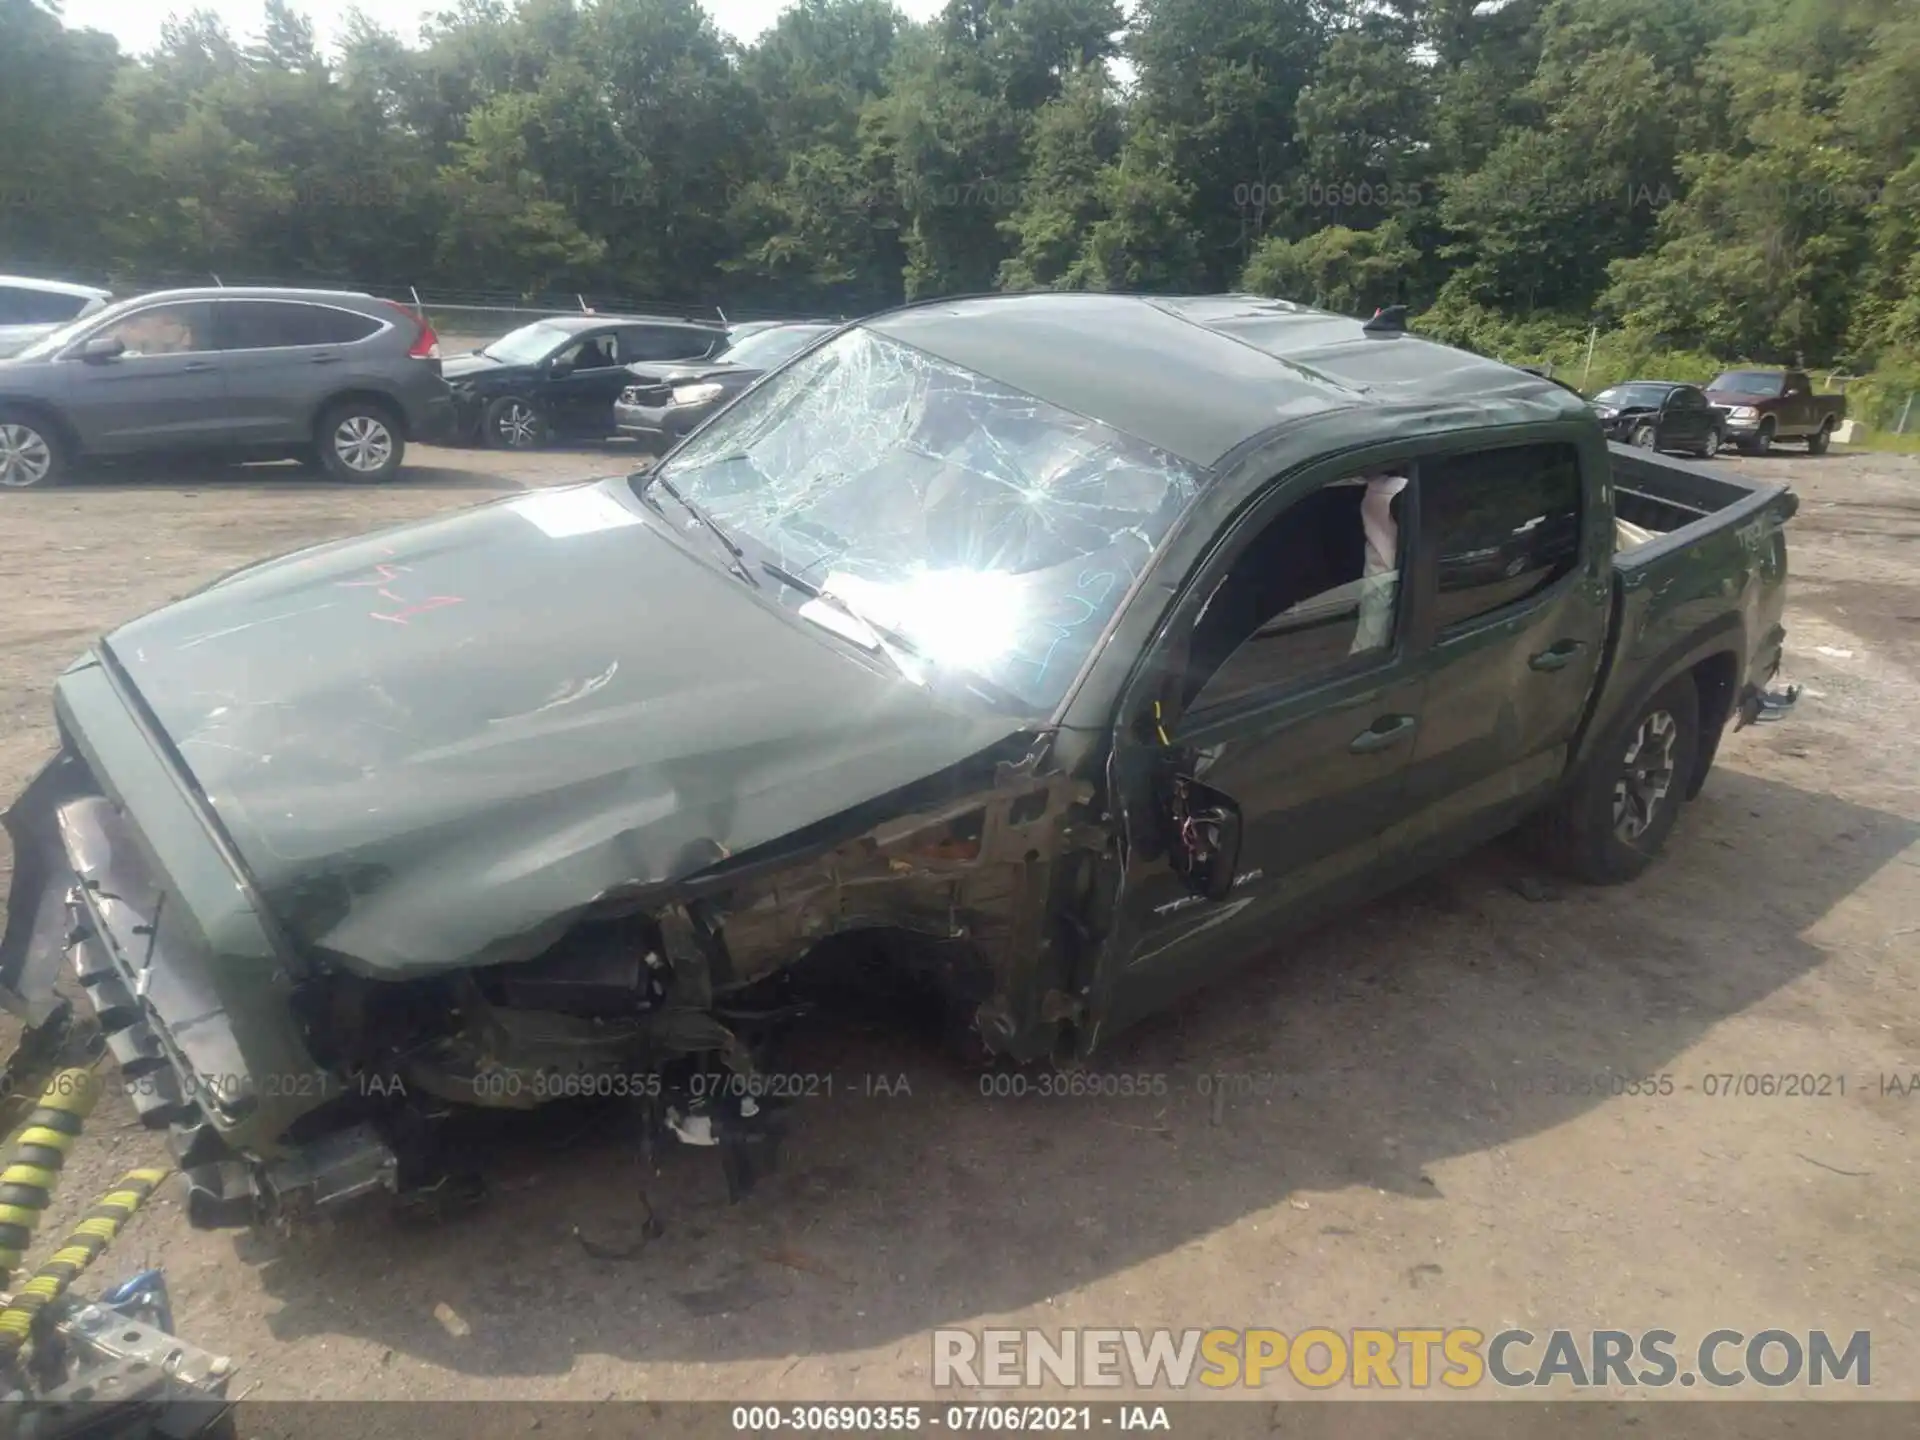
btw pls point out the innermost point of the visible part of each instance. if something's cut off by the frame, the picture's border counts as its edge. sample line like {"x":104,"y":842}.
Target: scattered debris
{"x":1833,"y":654}
{"x":1417,"y":1275}
{"x":451,"y":1321}
{"x":1856,"y":1174}
{"x":1529,"y":888}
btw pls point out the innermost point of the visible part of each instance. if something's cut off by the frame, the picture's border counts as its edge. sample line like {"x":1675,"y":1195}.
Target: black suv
{"x":558,"y":377}
{"x":339,"y":380}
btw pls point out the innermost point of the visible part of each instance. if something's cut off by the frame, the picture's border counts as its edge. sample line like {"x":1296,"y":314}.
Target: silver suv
{"x":339,"y":380}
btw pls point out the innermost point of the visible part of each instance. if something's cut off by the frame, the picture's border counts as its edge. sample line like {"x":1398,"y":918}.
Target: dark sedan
{"x":1661,"y":415}
{"x":663,"y":403}
{"x":558,"y":377}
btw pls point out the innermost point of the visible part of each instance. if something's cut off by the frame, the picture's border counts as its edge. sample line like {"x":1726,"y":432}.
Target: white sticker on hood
{"x":576,"y":510}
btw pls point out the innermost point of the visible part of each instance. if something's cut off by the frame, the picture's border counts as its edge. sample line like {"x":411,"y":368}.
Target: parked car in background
{"x":664,"y":403}
{"x":1762,"y":406}
{"x":30,"y":308}
{"x":339,"y":380}
{"x":1661,"y":415}
{"x":558,"y":377}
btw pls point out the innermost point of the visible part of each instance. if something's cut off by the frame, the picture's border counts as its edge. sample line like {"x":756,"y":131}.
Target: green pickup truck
{"x":1059,"y":652}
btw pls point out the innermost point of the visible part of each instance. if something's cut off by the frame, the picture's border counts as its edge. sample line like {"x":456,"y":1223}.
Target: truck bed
{"x":1718,"y":538}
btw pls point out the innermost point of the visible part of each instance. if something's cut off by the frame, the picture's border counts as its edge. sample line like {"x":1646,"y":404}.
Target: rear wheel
{"x":1612,"y":822}
{"x":512,"y":423}
{"x":359,"y":441}
{"x":31,"y":452}
{"x":1817,"y":442}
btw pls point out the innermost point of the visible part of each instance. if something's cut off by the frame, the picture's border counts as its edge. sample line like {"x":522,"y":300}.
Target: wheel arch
{"x":365,"y":394}
{"x":49,"y":414}
{"x":1714,"y":650}
{"x":1717,"y":677}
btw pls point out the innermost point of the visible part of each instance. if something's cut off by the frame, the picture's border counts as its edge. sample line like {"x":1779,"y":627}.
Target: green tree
{"x":1349,"y":271}
{"x":1076,"y":137}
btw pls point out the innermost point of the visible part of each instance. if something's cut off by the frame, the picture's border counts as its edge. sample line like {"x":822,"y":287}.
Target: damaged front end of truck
{"x":561,"y":794}
{"x":289,"y":1078}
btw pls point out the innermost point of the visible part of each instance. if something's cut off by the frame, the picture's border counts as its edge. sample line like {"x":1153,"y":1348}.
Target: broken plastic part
{"x":692,"y":1129}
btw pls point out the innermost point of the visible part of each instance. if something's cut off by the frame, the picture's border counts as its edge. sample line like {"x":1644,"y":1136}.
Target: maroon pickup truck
{"x":1762,"y":406}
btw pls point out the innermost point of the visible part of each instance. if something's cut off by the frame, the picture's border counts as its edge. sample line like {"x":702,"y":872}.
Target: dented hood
{"x":433,"y":746}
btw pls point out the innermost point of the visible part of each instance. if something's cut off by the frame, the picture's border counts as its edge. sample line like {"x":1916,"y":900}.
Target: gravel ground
{"x":1399,"y":1150}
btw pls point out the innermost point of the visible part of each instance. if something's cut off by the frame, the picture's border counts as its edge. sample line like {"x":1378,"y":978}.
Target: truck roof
{"x":1198,"y":375}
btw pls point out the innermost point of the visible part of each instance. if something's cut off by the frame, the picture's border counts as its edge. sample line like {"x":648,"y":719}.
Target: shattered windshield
{"x":1633,"y":397}
{"x":527,"y":344}
{"x":991,"y":531}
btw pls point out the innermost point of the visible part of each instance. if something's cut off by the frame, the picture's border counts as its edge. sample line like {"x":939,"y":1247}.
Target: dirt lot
{"x":1399,"y":1149}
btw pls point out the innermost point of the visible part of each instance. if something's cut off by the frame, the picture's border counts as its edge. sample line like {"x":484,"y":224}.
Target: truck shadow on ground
{"x":1421,"y":1028}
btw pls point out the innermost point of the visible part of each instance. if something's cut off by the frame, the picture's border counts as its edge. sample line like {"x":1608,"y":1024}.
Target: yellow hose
{"x":80,"y":1249}
{"x":39,"y":1151}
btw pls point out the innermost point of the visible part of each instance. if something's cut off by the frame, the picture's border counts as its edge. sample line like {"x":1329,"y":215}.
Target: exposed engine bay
{"x":677,"y":1009}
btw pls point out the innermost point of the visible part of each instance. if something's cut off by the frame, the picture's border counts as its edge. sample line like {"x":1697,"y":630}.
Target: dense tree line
{"x":1734,"y":177}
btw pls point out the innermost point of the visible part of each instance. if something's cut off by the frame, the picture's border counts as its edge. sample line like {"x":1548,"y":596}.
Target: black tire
{"x":1644,"y":437}
{"x":33,"y":454}
{"x":1763,"y":441}
{"x":359,"y":442}
{"x":1616,"y":815}
{"x":1715,"y":442}
{"x":1817,"y":442}
{"x":513,"y":422}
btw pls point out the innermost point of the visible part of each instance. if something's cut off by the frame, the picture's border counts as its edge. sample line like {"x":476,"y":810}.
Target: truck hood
{"x":1731,"y":398}
{"x":435,"y":746}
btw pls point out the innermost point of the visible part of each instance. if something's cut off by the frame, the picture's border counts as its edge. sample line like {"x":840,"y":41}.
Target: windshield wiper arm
{"x":892,"y":642}
{"x":735,"y":560}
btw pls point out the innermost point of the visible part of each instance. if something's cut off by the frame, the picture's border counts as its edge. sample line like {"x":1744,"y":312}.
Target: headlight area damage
{"x":291,"y":1080}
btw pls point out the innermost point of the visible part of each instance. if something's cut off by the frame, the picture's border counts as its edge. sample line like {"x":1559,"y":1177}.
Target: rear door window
{"x":279,"y":324}
{"x":1504,"y":523}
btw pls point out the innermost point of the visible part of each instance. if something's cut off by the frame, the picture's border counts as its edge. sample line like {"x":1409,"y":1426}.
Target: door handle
{"x":324,"y":360}
{"x":1557,"y":657}
{"x":1387,"y":731}
{"x":195,"y":365}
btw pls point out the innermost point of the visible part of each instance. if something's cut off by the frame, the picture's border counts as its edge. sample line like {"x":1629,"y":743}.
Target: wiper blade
{"x":735,"y":562}
{"x":895,"y":646}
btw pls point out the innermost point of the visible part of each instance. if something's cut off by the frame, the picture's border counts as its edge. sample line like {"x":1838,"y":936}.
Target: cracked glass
{"x":991,"y":531}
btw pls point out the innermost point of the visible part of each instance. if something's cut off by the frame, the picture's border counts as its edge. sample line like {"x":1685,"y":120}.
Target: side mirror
{"x":103,"y":348}
{"x":1203,"y":837}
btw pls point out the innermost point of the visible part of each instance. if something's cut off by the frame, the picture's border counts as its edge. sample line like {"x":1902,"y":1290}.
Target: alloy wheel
{"x":25,"y":457}
{"x":363,"y":443}
{"x":1646,"y":776}
{"x":519,"y":427}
